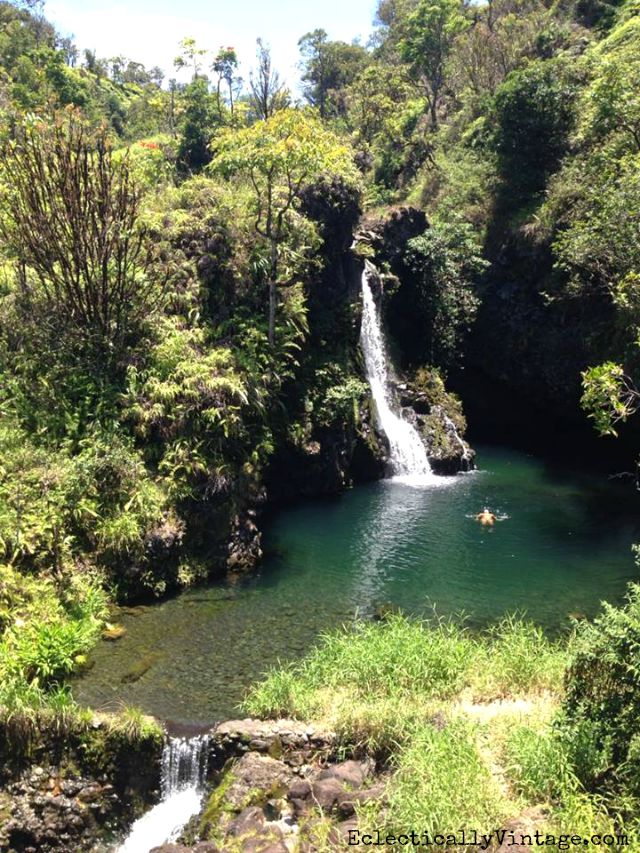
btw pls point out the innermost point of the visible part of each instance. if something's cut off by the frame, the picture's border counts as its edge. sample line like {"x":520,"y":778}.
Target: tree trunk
{"x":273,"y":298}
{"x":273,"y":289}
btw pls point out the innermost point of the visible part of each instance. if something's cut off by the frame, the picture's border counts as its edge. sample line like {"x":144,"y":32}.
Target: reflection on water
{"x":564,"y":547}
{"x":396,"y":512}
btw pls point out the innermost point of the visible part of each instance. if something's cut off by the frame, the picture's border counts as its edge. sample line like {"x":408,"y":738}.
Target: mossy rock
{"x":113,"y":632}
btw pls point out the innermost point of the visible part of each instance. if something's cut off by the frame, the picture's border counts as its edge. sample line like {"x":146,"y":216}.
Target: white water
{"x":184,"y":766}
{"x":451,"y":427}
{"x":407,"y":453}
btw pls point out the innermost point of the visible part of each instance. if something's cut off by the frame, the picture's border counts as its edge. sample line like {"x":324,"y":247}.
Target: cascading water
{"x":465,"y":456}
{"x":407,"y":453}
{"x":184,"y":767}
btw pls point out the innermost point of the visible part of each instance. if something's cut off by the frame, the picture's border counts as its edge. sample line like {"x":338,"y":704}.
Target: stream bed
{"x":564,"y":546}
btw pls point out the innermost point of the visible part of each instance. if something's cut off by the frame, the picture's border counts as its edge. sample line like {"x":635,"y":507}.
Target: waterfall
{"x":452,"y":430}
{"x":407,"y":453}
{"x":184,"y":768}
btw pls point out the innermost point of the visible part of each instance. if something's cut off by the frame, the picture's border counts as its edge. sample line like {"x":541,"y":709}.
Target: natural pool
{"x":565,"y":546}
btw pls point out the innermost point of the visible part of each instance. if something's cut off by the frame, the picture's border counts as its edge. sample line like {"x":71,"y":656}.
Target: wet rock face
{"x":67,"y":792}
{"x":448,"y":452}
{"x":267,"y":805}
{"x":44,"y":812}
{"x":245,"y":543}
{"x":441,"y":426}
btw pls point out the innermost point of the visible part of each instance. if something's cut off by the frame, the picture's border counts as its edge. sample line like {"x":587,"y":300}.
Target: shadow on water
{"x":564,"y":547}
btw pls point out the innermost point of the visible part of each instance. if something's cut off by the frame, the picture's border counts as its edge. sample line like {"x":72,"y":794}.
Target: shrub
{"x":603,"y":695}
{"x":435,"y":305}
{"x":534,"y":113}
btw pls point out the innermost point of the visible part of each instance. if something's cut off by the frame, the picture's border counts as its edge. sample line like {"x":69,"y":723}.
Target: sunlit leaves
{"x":608,"y":396}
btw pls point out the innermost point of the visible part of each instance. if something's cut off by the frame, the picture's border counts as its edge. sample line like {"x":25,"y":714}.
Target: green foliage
{"x":431,"y":30}
{"x":459,"y":186}
{"x":539,"y":764}
{"x":48,"y":628}
{"x":328,"y":68}
{"x":192,"y":396}
{"x":278,"y":157}
{"x":610,"y":104}
{"x":441,"y":783}
{"x":199,"y":121}
{"x":608,"y":396}
{"x":436,"y":304}
{"x":377,"y":682}
{"x":283,"y":153}
{"x":603,"y":695}
{"x":598,"y":248}
{"x":535,"y":115}
{"x":335,"y":396}
{"x":81,"y":256}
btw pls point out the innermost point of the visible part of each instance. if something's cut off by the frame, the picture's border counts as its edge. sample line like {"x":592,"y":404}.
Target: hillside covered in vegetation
{"x":180,"y":314}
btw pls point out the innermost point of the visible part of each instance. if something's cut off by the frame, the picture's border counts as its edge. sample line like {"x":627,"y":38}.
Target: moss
{"x":429,"y":382}
{"x":136,"y":672}
{"x":216,"y":807}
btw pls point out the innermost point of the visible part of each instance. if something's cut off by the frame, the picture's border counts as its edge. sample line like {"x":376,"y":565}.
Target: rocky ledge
{"x":266,"y":805}
{"x":280,"y":787}
{"x":438,"y":416}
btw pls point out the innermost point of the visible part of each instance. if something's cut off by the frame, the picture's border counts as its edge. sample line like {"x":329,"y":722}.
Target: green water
{"x":564,"y":547}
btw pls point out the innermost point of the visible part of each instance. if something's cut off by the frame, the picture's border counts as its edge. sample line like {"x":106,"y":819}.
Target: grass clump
{"x":133,"y":725}
{"x":375,"y":682}
{"x":538,"y":763}
{"x":473,"y":727}
{"x":441,"y":783}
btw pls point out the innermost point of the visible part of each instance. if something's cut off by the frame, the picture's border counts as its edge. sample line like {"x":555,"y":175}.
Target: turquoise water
{"x":564,"y":546}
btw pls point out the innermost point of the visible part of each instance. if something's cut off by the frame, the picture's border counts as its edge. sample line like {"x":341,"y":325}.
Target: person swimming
{"x":486,"y":518}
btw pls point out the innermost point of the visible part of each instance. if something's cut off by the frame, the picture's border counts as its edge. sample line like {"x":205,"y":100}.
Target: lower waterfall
{"x":407,"y":453}
{"x":184,"y":768}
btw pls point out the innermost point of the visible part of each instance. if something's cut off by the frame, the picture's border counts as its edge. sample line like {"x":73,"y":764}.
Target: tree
{"x":611,"y":104}
{"x":430,"y":34}
{"x":374,"y":98}
{"x":225,"y":66}
{"x":190,"y":56}
{"x":268,"y":91}
{"x":69,"y":214}
{"x":501,"y":37}
{"x":534,"y":117}
{"x":199,"y":122}
{"x":279,"y":156}
{"x":94,"y":65}
{"x":328,"y":67}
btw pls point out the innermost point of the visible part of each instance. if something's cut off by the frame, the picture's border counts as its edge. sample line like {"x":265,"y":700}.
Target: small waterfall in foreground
{"x":184,"y":768}
{"x":408,"y":455}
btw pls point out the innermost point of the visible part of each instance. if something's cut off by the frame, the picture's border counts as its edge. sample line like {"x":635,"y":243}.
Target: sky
{"x":148,"y":31}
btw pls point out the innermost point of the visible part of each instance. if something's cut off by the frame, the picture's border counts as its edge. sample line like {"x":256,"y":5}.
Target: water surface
{"x":565,"y":546}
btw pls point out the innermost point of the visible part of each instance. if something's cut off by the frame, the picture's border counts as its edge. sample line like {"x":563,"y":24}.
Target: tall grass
{"x":441,"y":784}
{"x":538,"y":764}
{"x":374,"y":682}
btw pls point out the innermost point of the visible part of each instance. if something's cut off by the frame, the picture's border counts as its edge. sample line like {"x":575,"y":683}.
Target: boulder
{"x":352,"y":773}
{"x":325,"y":793}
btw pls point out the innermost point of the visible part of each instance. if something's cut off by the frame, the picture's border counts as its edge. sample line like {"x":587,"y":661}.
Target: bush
{"x":603,"y":695}
{"x":435,"y":305}
{"x":48,"y":628}
{"x":535,"y":115}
